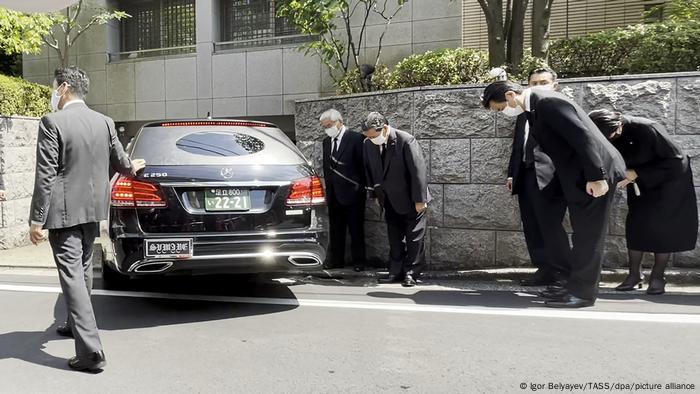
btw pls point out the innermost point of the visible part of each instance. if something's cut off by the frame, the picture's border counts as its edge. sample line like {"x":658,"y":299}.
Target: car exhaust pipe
{"x":304,"y":261}
{"x":152,"y":268}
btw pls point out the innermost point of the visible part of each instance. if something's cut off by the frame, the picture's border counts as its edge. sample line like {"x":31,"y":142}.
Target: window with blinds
{"x":158,"y":26}
{"x":251,"y":23}
{"x":570,"y":18}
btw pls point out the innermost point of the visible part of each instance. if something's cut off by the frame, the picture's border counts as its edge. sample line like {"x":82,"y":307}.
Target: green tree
{"x":22,"y":33}
{"x":67,"y":26}
{"x":336,"y":42}
{"x":682,"y":10}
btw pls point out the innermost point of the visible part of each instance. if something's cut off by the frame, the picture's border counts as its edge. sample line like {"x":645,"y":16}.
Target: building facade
{"x":227,"y":58}
{"x":234,"y":58}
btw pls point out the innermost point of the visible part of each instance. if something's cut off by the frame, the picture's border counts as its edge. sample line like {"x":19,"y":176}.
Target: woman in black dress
{"x":663,"y":212}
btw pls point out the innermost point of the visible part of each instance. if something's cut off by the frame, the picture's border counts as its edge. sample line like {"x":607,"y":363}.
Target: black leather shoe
{"x":539,"y":278}
{"x":630,"y":283}
{"x":569,"y":301}
{"x":390,"y":279}
{"x":64,"y":331}
{"x":656,"y":286}
{"x":408,"y":281}
{"x":93,"y":362}
{"x":359,"y":268}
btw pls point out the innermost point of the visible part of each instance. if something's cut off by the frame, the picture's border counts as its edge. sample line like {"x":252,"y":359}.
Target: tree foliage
{"x":68,"y":26}
{"x":682,"y":10}
{"x":339,"y":43}
{"x":22,"y":33}
{"x":644,"y":48}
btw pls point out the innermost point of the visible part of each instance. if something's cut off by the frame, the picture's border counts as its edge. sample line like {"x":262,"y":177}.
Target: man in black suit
{"x":587,"y":167}
{"x":542,"y":207}
{"x":344,"y":173}
{"x":397,"y":177}
{"x":75,"y":148}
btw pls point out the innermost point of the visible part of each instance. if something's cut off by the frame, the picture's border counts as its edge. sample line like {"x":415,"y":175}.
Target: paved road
{"x":256,"y":335}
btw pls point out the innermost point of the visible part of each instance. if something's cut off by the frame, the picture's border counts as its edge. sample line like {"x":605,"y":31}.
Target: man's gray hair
{"x":374,"y":120}
{"x":332,"y":115}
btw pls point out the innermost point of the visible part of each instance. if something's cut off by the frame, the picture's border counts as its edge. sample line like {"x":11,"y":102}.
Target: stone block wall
{"x":17,"y":161}
{"x":474,"y":222}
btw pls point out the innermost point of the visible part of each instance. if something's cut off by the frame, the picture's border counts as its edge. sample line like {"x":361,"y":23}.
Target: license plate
{"x":169,"y":248}
{"x":226,"y":199}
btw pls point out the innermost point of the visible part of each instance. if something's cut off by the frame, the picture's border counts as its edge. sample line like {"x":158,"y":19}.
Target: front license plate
{"x":226,"y":200}
{"x":169,"y":248}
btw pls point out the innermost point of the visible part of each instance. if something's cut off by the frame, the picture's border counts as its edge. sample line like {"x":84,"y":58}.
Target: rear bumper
{"x":224,"y":253}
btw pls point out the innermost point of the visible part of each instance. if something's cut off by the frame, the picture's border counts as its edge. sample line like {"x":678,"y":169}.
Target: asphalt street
{"x":258,"y":334}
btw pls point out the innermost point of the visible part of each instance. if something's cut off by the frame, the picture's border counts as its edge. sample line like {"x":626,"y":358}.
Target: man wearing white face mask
{"x":586,"y":167}
{"x":397,"y":177}
{"x":344,"y":174}
{"x":75,"y":148}
{"x":542,"y":206}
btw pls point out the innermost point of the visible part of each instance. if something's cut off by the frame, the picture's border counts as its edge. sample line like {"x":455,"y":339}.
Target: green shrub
{"x":642,"y":48}
{"x":351,"y":82}
{"x":527,"y":64}
{"x":443,"y":67}
{"x":21,"y":98}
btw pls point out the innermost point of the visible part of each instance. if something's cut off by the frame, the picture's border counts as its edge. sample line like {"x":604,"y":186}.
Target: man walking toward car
{"x":343,"y":170}
{"x":397,"y":177}
{"x":75,"y":149}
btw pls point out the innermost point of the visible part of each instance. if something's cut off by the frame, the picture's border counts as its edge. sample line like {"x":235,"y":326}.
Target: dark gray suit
{"x":75,"y":148}
{"x":399,"y":180}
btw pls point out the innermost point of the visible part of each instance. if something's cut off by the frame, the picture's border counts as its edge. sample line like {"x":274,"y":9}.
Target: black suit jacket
{"x":403,"y":178}
{"x":75,"y":149}
{"x":345,"y":174}
{"x":544,"y":168}
{"x":577,"y":148}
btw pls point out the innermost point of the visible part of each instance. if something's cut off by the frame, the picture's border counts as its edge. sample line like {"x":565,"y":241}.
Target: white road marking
{"x":470,"y":310}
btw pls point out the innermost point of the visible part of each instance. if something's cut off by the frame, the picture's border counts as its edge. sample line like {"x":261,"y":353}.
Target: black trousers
{"x":72,"y":251}
{"x":589,"y":220}
{"x":542,"y":217}
{"x":406,"y":241}
{"x":344,"y":218}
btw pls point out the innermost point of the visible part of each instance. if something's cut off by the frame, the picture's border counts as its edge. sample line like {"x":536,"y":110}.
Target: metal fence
{"x":254,"y":23}
{"x":157,"y":24}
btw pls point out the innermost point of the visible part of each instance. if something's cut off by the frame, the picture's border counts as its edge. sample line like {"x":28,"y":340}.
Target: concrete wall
{"x":17,"y":162}
{"x":474,"y":222}
{"x":263,"y":81}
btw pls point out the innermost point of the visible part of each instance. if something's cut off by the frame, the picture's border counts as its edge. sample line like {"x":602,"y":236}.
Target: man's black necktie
{"x":335,"y":146}
{"x":383,"y":153}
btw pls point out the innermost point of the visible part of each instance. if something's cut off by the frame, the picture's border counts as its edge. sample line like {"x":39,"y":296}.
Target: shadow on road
{"x":510,"y":299}
{"x":120,"y":313}
{"x":29,"y":346}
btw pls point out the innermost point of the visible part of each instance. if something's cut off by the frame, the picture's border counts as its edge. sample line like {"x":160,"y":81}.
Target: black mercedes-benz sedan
{"x":216,"y":196}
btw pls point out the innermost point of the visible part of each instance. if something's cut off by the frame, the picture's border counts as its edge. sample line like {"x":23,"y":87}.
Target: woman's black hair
{"x":607,"y":121}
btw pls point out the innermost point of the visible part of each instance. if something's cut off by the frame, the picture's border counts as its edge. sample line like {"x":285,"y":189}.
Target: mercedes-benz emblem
{"x":227,"y":173}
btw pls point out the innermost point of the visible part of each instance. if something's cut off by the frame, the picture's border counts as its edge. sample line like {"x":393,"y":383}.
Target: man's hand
{"x":137,"y":165}
{"x":421,"y":206}
{"x":597,"y":188}
{"x":509,"y":184}
{"x":36,"y":234}
{"x":2,"y":195}
{"x":631,"y":175}
{"x":623,"y":184}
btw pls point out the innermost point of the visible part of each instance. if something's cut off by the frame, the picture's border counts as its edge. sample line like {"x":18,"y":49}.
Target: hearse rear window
{"x":220,"y":144}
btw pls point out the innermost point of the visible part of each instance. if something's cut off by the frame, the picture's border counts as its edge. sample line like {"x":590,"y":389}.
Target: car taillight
{"x":127,"y":192}
{"x":307,"y":191}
